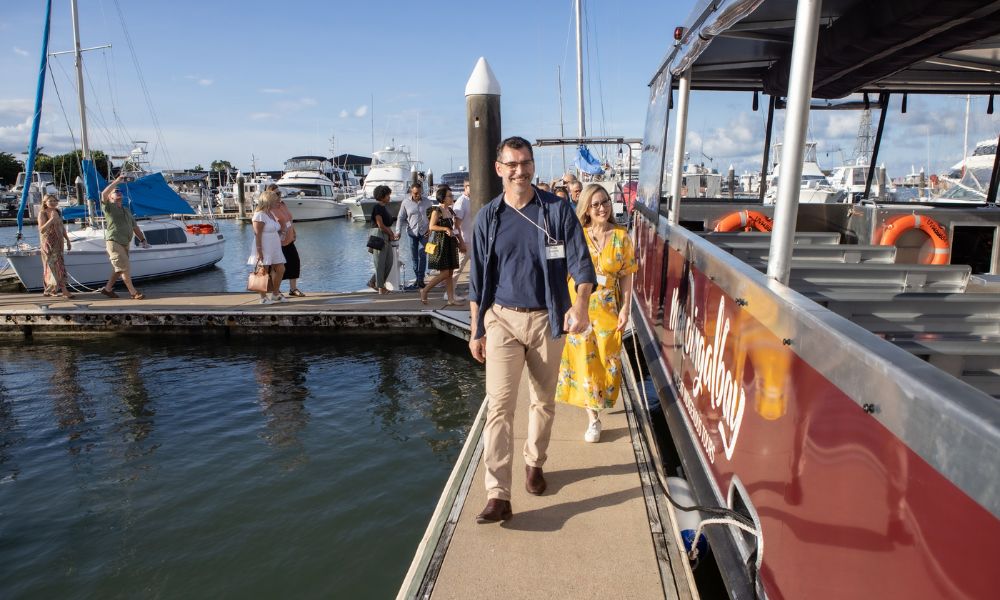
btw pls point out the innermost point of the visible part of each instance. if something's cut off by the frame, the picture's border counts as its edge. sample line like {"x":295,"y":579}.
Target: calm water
{"x":333,"y":253}
{"x":256,"y":468}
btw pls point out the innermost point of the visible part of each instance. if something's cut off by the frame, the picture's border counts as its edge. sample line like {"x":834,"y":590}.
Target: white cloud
{"x":361,"y":111}
{"x":202,"y":81}
{"x":343,"y":114}
{"x":262,"y":115}
{"x":295,"y":105}
{"x":20,"y":52}
{"x":272,"y":91}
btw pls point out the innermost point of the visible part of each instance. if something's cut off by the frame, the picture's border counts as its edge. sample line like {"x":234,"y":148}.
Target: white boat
{"x":308,"y":192}
{"x":175,"y":248}
{"x":814,"y":188}
{"x":850,"y":178}
{"x":42,"y":183}
{"x":969,"y":178}
{"x":391,"y":167}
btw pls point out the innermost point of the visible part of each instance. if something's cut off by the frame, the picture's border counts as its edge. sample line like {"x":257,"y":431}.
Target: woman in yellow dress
{"x":590,"y":372}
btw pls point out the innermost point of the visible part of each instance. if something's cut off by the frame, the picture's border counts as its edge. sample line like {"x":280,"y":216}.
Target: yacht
{"x":307,"y":190}
{"x":42,"y":183}
{"x":814,"y":188}
{"x":851,"y":179}
{"x":969,"y":178}
{"x":393,"y":167}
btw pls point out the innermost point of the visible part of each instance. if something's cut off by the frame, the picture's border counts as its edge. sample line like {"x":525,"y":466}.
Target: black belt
{"x":521,"y":309}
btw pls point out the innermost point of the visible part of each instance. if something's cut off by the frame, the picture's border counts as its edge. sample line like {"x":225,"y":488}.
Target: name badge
{"x":602,"y":280}
{"x":555,"y":250}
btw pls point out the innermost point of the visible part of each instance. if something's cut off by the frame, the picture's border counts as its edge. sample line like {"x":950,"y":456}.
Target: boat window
{"x":168,"y":235}
{"x":859,"y":176}
{"x":654,"y":139}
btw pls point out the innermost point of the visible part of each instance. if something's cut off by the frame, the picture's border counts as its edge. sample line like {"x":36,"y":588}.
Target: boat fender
{"x":745,"y":220}
{"x":933,"y":229}
{"x":687,"y":521}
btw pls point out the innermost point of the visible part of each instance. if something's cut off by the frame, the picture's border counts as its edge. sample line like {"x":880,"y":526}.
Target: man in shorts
{"x":119,"y":227}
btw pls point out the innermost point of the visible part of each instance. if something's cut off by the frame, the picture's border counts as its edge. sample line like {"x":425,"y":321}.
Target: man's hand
{"x":478,"y":349}
{"x":576,"y":320}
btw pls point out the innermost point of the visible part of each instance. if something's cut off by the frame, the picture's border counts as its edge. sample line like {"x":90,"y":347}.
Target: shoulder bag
{"x":376,"y":242}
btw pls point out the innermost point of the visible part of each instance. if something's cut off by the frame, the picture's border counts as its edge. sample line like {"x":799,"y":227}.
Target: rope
{"x":693,"y":553}
{"x":77,"y":286}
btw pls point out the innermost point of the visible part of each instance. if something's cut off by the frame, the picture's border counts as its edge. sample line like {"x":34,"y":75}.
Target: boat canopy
{"x":925,"y":46}
{"x":148,"y":196}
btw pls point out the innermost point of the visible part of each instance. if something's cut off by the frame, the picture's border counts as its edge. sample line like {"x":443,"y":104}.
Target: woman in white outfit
{"x":267,"y":234}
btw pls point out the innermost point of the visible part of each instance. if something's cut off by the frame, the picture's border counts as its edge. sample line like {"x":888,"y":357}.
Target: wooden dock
{"x":603,"y":529}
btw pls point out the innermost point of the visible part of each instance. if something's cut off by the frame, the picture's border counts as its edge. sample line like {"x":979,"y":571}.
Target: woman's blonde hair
{"x":583,"y":204}
{"x":268,"y":199}
{"x":48,"y":197}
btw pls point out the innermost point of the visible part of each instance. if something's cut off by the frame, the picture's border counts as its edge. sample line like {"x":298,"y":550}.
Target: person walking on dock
{"x":525,"y":245}
{"x":292,"y":263}
{"x":413,"y":218}
{"x":381,"y":226}
{"x":463,"y":210}
{"x":444,"y":257}
{"x":590,"y":372}
{"x":267,"y":234}
{"x":119,"y":227}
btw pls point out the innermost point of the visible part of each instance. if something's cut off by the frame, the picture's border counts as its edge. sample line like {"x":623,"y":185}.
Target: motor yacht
{"x":392,"y":167}
{"x":307,"y":190}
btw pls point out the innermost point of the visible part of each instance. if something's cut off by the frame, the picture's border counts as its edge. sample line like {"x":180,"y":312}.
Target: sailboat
{"x":175,"y":246}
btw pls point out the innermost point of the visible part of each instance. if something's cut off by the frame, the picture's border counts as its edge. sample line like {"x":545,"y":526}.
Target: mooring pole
{"x":482,"y":109}
{"x":241,"y":205}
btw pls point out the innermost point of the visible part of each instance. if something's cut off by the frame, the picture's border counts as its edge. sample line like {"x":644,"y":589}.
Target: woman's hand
{"x":260,"y":256}
{"x":69,"y":246}
{"x":623,"y":316}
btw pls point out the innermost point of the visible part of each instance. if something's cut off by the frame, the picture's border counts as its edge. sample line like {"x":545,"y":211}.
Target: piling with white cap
{"x":482,"y":109}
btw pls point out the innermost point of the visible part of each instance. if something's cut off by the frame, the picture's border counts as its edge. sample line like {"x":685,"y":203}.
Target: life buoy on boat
{"x":933,"y":229}
{"x":745,"y":220}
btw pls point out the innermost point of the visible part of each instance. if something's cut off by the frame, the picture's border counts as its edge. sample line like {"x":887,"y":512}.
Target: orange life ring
{"x":745,"y":220}
{"x":933,"y":229}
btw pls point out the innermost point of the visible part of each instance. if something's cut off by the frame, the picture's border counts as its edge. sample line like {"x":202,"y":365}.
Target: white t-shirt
{"x":463,"y":209}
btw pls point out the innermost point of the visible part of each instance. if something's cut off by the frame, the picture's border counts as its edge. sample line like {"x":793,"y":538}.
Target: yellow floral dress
{"x":590,"y":369}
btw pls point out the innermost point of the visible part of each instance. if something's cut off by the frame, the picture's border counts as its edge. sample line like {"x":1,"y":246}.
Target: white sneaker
{"x":278,"y":298}
{"x":593,"y":434}
{"x":266,"y":300}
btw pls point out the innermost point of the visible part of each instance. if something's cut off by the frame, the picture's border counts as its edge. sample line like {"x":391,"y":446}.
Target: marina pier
{"x":604,"y":504}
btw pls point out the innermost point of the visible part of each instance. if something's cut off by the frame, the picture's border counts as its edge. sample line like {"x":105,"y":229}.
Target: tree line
{"x":65,"y":168}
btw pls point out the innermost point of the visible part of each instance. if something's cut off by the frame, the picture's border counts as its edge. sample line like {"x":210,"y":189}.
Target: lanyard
{"x":545,"y":230}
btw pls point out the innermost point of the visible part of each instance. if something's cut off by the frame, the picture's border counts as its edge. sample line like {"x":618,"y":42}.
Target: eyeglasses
{"x":513,"y":165}
{"x":602,"y":204}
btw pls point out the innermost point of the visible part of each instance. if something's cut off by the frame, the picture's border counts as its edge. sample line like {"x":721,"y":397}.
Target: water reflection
{"x":8,"y":431}
{"x":137,"y":423}
{"x":71,"y":402}
{"x":281,"y":379}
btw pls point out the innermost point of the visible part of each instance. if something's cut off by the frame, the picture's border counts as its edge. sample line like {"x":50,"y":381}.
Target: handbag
{"x":431,"y":248}
{"x":375,"y":242}
{"x":258,"y":280}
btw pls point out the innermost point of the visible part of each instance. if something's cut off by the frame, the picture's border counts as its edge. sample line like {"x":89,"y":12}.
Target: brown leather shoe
{"x":534,"y":481}
{"x":496,"y":510}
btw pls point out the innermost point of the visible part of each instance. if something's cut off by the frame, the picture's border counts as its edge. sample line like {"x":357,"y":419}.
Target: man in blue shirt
{"x":525,"y":243}
{"x":413,"y":218}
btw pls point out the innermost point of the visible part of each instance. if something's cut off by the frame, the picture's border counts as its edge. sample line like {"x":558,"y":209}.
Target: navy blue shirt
{"x":563,"y":225}
{"x":520,"y":276}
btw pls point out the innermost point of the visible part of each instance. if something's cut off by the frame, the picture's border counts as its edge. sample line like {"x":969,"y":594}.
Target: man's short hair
{"x":381,"y":191}
{"x":514,"y":143}
{"x":416,"y":185}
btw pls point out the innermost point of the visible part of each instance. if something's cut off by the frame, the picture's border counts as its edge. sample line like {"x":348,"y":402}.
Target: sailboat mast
{"x":78,"y":56}
{"x":579,"y":68}
{"x":562,"y":130}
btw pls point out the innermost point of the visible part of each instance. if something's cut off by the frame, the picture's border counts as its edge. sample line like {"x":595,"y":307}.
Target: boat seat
{"x":808,"y":277}
{"x":975,"y":359}
{"x":839,"y":253}
{"x":801,"y":237}
{"x":966,"y":314}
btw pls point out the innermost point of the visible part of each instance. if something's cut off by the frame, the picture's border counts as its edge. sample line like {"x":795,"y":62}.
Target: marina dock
{"x":603,"y":528}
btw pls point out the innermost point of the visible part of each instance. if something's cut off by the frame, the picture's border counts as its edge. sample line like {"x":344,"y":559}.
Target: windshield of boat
{"x":304,"y":164}
{"x":307,"y":190}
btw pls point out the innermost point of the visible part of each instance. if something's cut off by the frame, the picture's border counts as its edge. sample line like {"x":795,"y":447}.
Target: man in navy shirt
{"x":525,"y":242}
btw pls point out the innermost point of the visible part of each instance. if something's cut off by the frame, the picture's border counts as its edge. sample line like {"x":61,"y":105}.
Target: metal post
{"x":241,"y":198}
{"x":579,"y":72}
{"x":767,"y":147}
{"x":84,"y":139}
{"x":882,"y":192}
{"x":731,"y":177}
{"x":683,"y":92}
{"x":800,"y":85}
{"x":991,"y":194}
{"x":482,"y":109}
{"x":884,"y":101}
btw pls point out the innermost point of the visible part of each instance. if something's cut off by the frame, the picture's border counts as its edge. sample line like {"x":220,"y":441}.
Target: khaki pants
{"x":515,"y":340}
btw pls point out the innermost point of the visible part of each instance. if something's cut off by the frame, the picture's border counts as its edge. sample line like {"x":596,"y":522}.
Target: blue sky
{"x":228,"y":80}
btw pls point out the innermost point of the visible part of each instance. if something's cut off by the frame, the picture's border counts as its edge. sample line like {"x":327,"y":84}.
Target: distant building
{"x":359,"y":165}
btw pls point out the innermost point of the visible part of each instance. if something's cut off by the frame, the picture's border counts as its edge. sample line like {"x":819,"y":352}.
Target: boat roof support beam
{"x":991,"y":194}
{"x":786,"y":209}
{"x":767,"y":146}
{"x":683,"y":95}
{"x":884,"y":101}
